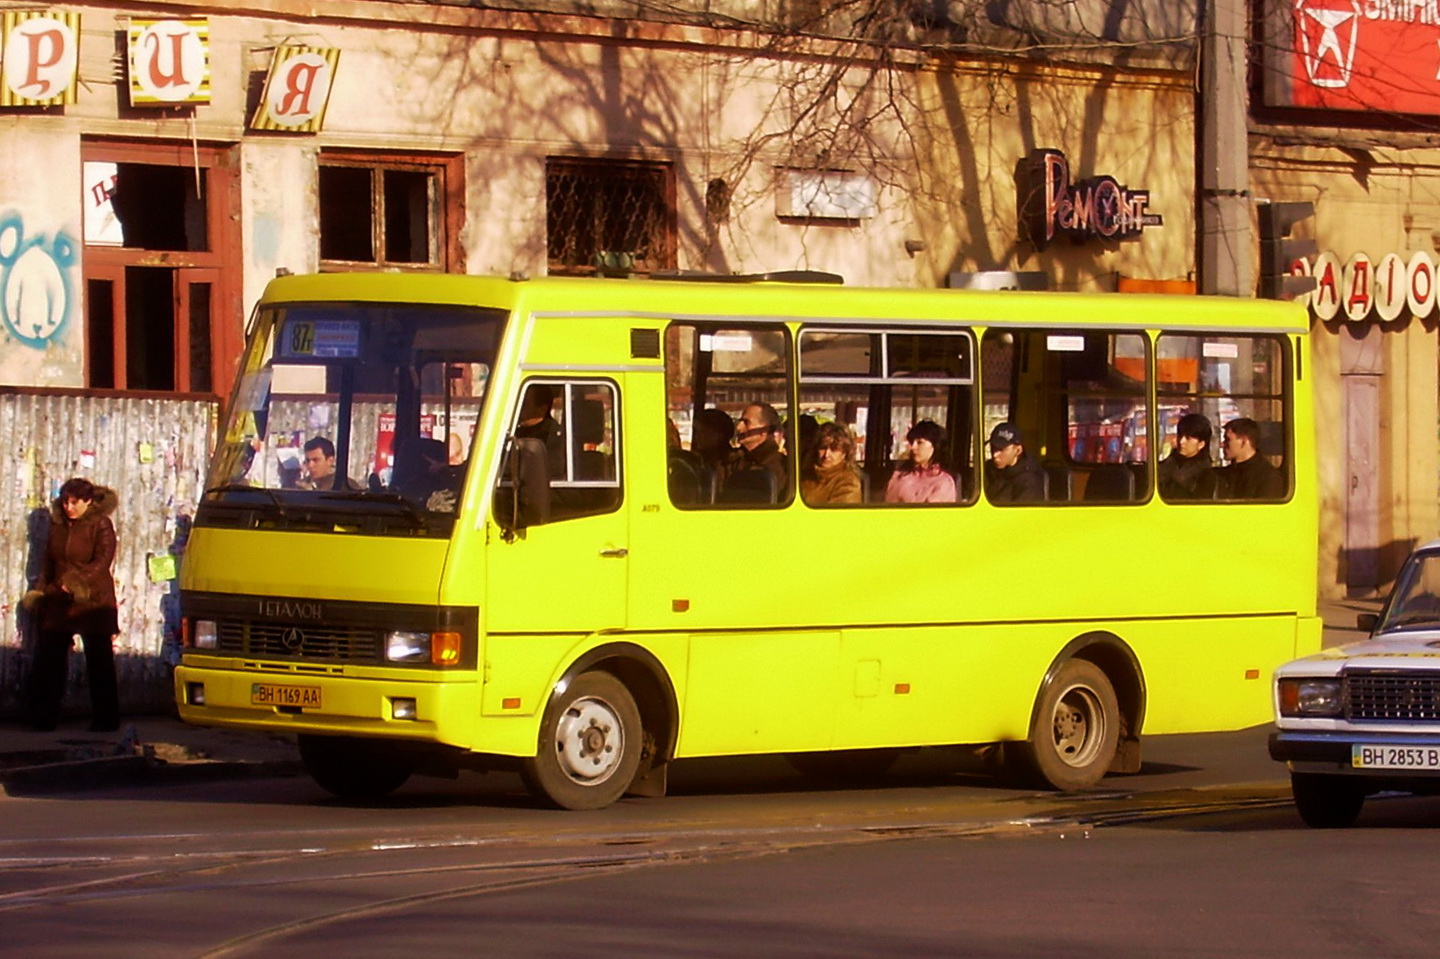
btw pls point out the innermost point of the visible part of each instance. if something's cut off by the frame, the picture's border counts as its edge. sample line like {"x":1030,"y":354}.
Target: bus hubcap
{"x":589,"y":741}
{"x":1079,"y":726}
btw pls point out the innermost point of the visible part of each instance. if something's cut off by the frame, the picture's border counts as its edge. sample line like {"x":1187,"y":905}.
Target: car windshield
{"x":1415,"y":601}
{"x":354,"y":408}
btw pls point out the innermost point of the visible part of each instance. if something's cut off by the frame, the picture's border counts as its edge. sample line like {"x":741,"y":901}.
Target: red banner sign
{"x":1359,"y":55}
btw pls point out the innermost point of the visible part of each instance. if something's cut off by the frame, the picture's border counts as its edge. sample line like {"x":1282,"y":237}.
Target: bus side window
{"x":1079,"y":398}
{"x":877,"y":384}
{"x":1228,"y":379}
{"x":574,"y":424}
{"x":731,"y":440}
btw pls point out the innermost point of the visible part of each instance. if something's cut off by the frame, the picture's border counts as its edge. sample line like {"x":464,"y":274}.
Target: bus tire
{"x":589,"y":746}
{"x":353,"y":768}
{"x":1075,"y":731}
{"x":1327,"y":802}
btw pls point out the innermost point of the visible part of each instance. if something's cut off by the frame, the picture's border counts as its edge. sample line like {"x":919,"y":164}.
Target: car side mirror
{"x":1367,"y":621}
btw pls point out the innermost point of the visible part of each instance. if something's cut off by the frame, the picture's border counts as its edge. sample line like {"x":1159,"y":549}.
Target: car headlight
{"x":1311,"y":697}
{"x":403,"y":646}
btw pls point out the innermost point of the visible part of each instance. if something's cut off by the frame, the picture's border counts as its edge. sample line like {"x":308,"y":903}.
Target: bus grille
{"x":1413,"y":697}
{"x":284,"y":641}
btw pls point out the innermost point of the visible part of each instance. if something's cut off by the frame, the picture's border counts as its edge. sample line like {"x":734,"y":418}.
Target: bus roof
{"x":683,"y":299}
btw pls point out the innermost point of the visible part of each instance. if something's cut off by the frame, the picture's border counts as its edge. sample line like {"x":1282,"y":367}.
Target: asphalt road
{"x":1199,"y":855}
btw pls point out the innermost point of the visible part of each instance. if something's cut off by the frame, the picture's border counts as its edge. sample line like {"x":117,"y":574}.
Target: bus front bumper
{"x":423,"y":711}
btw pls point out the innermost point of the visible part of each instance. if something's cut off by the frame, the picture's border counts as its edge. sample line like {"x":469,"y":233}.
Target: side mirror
{"x":527,"y":476}
{"x":1367,"y":621}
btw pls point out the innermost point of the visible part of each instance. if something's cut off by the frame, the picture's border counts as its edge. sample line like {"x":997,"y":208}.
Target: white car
{"x":1365,"y":717}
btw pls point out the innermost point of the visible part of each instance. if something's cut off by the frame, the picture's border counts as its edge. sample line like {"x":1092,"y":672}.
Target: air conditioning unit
{"x":825,"y":195}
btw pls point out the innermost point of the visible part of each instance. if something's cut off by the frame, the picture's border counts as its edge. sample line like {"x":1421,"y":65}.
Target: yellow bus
{"x":570,"y":526}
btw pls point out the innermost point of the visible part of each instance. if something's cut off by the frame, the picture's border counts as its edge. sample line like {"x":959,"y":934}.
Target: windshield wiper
{"x":397,"y":499}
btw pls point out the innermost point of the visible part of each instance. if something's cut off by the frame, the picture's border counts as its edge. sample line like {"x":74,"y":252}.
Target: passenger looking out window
{"x":1186,"y":474}
{"x":921,"y":477}
{"x":829,"y":474}
{"x":1249,"y":475}
{"x":1011,"y":476}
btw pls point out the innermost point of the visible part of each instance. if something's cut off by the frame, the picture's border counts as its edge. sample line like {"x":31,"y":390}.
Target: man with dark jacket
{"x":1011,"y":476}
{"x":1249,"y":475}
{"x":1186,"y":474}
{"x":756,"y":433}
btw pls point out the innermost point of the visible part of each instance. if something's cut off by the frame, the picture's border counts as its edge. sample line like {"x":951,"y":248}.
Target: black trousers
{"x":47,"y":678}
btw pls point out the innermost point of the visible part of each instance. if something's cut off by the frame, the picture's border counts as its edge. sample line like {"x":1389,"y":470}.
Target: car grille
{"x":1413,"y":697}
{"x":289,"y":642}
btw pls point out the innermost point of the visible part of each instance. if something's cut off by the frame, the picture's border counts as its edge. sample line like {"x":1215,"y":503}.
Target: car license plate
{"x":275,"y":694}
{"x":1395,"y":757}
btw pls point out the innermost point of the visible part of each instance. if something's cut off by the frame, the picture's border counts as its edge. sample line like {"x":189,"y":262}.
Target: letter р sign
{"x":41,"y":57}
{"x":1352,"y":55}
{"x":297,"y":89}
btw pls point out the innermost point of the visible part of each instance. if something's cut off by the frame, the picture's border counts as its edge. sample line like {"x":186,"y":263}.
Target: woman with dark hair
{"x":921,"y":477}
{"x":829,"y":473}
{"x":76,"y":594}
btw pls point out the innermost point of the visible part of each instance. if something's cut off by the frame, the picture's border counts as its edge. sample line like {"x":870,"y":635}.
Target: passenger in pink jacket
{"x":922,"y":477}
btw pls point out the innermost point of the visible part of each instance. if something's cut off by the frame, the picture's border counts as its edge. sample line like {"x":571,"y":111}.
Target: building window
{"x":609,"y":216}
{"x":389,"y":212}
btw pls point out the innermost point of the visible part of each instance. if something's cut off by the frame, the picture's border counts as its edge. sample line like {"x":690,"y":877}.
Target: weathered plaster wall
{"x":42,"y":328}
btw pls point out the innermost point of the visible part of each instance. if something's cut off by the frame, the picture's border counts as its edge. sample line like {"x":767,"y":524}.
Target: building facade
{"x":160,"y":167}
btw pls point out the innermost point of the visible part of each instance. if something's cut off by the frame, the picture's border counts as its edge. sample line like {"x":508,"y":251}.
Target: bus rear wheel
{"x":589,"y":747}
{"x":1076,"y":729}
{"x":353,"y":768}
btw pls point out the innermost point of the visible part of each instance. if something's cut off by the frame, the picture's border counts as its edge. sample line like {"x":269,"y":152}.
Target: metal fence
{"x":153,"y":452}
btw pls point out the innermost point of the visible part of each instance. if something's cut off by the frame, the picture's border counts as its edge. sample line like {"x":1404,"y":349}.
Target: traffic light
{"x":1279,"y":251}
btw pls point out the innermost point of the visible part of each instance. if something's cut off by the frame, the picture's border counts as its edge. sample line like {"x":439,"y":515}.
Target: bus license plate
{"x":274,"y":694}
{"x":1395,"y":757}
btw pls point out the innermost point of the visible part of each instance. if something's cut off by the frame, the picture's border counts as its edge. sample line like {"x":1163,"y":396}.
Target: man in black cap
{"x":1012,"y":476}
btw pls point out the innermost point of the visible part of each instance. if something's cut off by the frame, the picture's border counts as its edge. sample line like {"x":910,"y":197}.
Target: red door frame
{"x":219,"y":262}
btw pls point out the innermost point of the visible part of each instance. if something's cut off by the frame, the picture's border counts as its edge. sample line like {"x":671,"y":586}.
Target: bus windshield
{"x":354,"y":408}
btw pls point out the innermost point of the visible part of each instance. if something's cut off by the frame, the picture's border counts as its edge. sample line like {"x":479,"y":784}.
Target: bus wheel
{"x":589,"y":747}
{"x":1077,"y":727}
{"x":353,"y":768}
{"x":1327,"y":802}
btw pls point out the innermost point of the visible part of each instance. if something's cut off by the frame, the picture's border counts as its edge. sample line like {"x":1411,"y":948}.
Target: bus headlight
{"x":205,"y":634}
{"x":1310,"y":697}
{"x":403,"y":646}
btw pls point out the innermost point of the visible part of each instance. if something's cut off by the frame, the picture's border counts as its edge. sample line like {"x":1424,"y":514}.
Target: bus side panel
{"x":929,"y":685}
{"x":1210,"y":674}
{"x":759,"y":692}
{"x":976,"y":684}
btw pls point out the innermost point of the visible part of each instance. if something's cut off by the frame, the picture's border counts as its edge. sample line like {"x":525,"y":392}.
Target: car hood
{"x":1404,"y":649}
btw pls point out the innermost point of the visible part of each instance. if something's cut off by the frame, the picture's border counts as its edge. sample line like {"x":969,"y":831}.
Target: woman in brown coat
{"x":829,"y":476}
{"x":76,"y":594}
